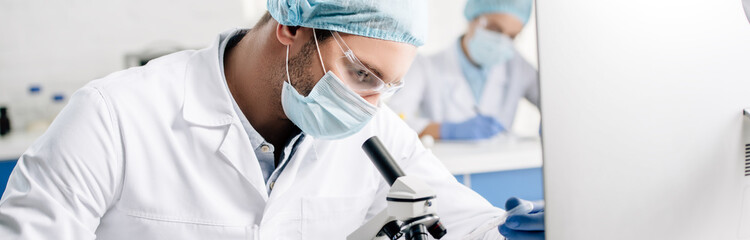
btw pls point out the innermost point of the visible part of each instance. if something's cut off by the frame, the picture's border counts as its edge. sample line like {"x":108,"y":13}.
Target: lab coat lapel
{"x":461,"y":96}
{"x":236,"y":150}
{"x":304,"y":155}
{"x":496,"y":96}
{"x":296,"y":179}
{"x":495,"y":90}
{"x":207,"y":104}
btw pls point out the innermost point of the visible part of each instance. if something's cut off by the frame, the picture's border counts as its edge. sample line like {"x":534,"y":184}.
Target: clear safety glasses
{"x":484,"y":23}
{"x":357,"y":76}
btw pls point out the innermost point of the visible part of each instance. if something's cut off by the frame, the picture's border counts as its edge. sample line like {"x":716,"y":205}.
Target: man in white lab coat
{"x":470,"y":90}
{"x":256,"y":137}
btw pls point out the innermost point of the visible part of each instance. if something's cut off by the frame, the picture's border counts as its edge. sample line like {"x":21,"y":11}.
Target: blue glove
{"x":525,"y":220}
{"x":479,"y":127}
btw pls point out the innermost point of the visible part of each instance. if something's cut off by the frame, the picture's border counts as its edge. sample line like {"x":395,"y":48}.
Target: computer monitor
{"x":642,"y":114}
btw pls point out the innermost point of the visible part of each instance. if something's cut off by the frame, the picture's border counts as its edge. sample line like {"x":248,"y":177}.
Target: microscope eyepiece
{"x":382,"y":159}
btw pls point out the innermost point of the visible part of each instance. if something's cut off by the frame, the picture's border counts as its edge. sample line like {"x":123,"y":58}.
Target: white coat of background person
{"x":220,"y":143}
{"x":471,"y":89}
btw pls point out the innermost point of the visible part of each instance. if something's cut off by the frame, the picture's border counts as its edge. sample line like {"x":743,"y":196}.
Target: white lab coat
{"x":157,"y":152}
{"x":435,"y":90}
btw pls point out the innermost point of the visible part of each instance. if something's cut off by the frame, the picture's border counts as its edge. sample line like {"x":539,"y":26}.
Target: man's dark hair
{"x":320,"y":33}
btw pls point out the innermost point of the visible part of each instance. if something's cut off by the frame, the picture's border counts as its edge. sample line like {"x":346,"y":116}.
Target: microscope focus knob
{"x":437,"y":230}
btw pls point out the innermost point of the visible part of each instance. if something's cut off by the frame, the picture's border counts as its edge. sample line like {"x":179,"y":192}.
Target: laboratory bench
{"x":496,"y":169}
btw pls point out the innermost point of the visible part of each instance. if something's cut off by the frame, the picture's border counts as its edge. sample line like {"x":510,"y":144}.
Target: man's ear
{"x":287,"y":34}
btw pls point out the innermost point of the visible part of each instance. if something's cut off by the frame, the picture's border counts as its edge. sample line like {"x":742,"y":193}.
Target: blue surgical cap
{"x":394,"y":20}
{"x":518,"y":8}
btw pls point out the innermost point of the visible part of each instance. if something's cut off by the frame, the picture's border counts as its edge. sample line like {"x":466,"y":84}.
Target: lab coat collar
{"x":207,"y":101}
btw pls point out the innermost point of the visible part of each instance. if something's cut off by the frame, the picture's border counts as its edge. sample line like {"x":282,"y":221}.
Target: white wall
{"x":64,"y":44}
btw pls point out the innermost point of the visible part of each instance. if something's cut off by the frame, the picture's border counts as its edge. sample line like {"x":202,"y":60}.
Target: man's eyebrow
{"x":496,"y":27}
{"x":373,"y":69}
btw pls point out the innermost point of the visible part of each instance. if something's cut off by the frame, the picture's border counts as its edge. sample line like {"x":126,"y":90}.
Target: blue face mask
{"x":330,"y":111}
{"x":488,"y":48}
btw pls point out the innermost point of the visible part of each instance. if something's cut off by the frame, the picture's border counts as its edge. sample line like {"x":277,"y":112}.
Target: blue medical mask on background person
{"x":488,"y":48}
{"x":330,"y":111}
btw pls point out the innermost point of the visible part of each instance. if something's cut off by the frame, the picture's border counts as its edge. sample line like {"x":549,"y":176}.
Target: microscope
{"x":410,"y":211}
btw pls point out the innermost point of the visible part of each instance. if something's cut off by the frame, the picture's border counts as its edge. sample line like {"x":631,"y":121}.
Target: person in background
{"x":471,"y":90}
{"x":257,"y":136}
